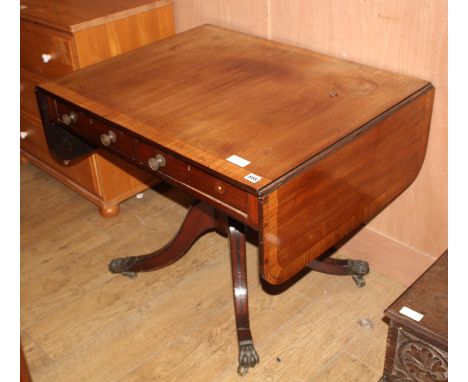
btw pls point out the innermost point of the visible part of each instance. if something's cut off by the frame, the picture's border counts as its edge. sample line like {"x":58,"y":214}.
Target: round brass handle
{"x":69,"y":118}
{"x":157,"y":162}
{"x":220,"y":189}
{"x":109,"y":138}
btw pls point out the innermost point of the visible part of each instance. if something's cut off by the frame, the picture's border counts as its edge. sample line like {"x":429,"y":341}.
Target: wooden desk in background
{"x":302,"y":148}
{"x":59,"y":37}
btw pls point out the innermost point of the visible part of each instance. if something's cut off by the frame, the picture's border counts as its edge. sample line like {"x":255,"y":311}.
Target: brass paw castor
{"x":359,"y":280}
{"x":248,"y":357}
{"x":130,"y":275}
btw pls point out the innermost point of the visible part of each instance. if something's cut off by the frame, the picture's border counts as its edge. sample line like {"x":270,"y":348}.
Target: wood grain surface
{"x":73,"y":16}
{"x":36,"y":40}
{"x":25,"y":376}
{"x":34,"y":145}
{"x":428,"y":295}
{"x":417,"y":348}
{"x":333,"y":142}
{"x":344,"y":189}
{"x":75,"y":34}
{"x":81,"y":323}
{"x":28,"y":101}
{"x":126,"y":34}
{"x":408,"y":37}
{"x":250,"y":16}
{"x":274,"y":105}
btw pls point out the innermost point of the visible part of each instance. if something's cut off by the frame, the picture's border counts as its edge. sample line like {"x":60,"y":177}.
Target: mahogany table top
{"x":211,"y":93}
{"x":322,"y":144}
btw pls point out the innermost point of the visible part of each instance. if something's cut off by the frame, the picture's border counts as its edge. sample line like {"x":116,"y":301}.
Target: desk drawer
{"x":46,"y":52}
{"x":34,"y":143}
{"x":193,"y":177}
{"x":190,"y":178}
{"x":95,"y":131}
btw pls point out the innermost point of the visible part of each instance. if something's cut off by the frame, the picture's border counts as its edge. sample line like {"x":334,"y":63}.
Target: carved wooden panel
{"x":417,"y":360}
{"x":417,"y":350}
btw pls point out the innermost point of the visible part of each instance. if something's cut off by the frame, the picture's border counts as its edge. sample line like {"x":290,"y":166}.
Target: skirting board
{"x":387,"y":256}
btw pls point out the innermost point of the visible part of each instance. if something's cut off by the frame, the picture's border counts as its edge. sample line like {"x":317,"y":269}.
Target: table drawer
{"x":115,"y":139}
{"x":46,"y":52}
{"x":192,"y":176}
{"x":34,"y":143}
{"x":95,"y":131}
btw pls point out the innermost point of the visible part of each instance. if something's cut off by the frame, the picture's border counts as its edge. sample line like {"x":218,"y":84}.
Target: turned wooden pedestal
{"x":417,"y":350}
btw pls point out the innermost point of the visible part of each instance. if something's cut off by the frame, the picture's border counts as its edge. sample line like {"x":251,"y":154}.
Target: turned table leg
{"x":248,"y":356}
{"x":200,"y":219}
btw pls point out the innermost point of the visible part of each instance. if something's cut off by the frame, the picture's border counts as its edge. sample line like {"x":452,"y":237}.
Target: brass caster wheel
{"x":359,"y":280}
{"x":242,"y":370}
{"x":122,"y":264}
{"x":358,"y":267}
{"x":248,"y":357}
{"x":130,"y":275}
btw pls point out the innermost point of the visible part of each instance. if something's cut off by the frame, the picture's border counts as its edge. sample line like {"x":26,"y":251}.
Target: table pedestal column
{"x":202,"y":218}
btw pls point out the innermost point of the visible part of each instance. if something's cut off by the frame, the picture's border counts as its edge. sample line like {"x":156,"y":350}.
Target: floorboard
{"x":81,"y":323}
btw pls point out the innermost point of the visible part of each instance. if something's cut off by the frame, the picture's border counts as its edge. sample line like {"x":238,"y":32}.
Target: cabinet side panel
{"x":343,"y":190}
{"x":115,"y":37}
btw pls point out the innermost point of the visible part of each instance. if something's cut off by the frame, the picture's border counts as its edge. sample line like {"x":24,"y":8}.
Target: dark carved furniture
{"x":417,"y":350}
{"x":303,"y":148}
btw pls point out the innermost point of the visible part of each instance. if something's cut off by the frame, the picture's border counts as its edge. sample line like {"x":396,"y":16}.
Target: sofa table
{"x":303,"y":148}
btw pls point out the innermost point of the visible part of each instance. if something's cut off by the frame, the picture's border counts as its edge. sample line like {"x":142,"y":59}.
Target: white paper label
{"x":238,"y":160}
{"x":411,"y":313}
{"x":252,"y":178}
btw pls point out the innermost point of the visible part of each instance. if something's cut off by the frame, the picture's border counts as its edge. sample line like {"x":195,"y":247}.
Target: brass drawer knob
{"x":220,"y":189}
{"x":157,"y":162}
{"x":69,"y":118}
{"x":109,"y":138}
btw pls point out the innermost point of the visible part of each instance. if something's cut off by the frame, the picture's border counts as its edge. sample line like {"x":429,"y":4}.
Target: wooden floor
{"x":81,"y":323}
